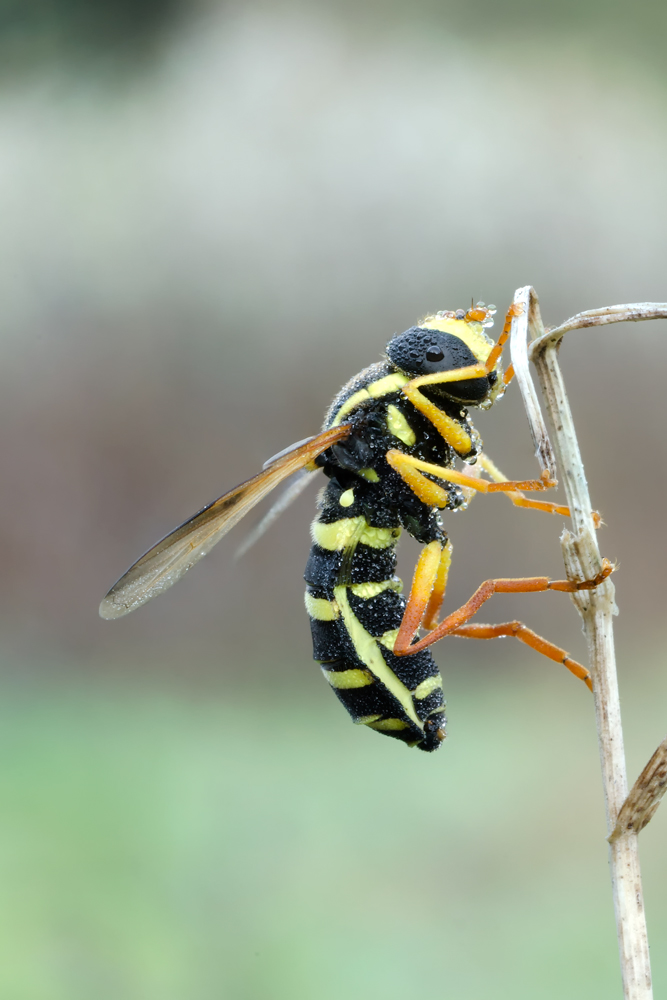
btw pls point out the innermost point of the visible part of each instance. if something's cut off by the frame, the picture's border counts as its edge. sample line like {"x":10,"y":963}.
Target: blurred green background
{"x":213,"y":214}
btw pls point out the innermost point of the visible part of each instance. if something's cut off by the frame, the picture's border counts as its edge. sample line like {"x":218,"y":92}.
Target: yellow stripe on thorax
{"x":352,"y":530}
{"x":368,"y":652}
{"x":399,"y":426}
{"x":382,"y":387}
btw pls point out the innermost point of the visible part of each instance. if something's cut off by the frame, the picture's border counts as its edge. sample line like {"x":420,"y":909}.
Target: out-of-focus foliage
{"x":34,"y":33}
{"x":637,"y":27}
{"x":231,"y":844}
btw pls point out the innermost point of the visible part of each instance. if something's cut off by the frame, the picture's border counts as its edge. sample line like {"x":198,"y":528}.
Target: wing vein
{"x":167,"y":561}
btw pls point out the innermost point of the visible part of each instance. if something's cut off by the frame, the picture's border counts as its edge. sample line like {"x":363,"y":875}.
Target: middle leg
{"x":519,"y":500}
{"x":412,"y":471}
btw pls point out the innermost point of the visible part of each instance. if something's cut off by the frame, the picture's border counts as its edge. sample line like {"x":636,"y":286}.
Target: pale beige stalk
{"x":596,"y":607}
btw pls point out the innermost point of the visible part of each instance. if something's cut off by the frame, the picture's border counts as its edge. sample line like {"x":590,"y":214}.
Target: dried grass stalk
{"x":582,"y":561}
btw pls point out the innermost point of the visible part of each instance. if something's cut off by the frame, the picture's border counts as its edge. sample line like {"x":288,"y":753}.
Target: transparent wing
{"x":295,"y":488}
{"x":167,"y":561}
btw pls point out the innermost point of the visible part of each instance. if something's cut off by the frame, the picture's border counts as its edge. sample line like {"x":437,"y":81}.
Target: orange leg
{"x":509,"y":374}
{"x":524,"y":634}
{"x":519,"y":500}
{"x":422,"y":590}
{"x":430,"y":619}
{"x":428,"y":587}
{"x":412,"y":470}
{"x":514,"y":310}
{"x":418,"y":600}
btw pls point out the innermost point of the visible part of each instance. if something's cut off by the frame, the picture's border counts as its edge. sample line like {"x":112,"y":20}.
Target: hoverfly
{"x":388,"y":449}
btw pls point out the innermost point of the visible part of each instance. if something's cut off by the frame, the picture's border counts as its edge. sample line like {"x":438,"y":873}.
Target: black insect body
{"x":391,"y":441}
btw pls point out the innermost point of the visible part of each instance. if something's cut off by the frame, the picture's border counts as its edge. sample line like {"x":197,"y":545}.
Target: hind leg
{"x":524,"y":634}
{"x":423,"y":586}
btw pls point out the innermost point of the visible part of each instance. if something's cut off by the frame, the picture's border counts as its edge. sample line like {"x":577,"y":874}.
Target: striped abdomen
{"x":355,"y":607}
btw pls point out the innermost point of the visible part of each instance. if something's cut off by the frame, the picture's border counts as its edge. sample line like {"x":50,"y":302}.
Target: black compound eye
{"x":420,"y":351}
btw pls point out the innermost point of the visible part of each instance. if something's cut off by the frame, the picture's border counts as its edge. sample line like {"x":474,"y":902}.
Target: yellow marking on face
{"x":426,"y":687}
{"x":388,"y":725}
{"x":399,"y":427}
{"x":346,"y":498}
{"x":367,"y":590}
{"x":341,"y":534}
{"x":365,"y":720}
{"x":369,"y":653}
{"x":346,"y":679}
{"x":383,"y":386}
{"x":321,"y":609}
{"x":471,"y":333}
{"x":388,"y":639}
{"x":369,"y":474}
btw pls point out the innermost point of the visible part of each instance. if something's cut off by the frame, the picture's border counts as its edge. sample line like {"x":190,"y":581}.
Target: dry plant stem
{"x":632,"y":313}
{"x":582,"y":560}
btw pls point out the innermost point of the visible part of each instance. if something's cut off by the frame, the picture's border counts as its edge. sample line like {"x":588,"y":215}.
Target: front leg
{"x":450,"y":430}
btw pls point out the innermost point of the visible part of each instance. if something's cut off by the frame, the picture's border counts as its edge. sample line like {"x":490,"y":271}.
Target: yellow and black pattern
{"x":355,"y":607}
{"x":389,"y":448}
{"x":353,"y":597}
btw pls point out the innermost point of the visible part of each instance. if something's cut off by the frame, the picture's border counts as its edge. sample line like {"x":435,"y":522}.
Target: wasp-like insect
{"x":389,"y":446}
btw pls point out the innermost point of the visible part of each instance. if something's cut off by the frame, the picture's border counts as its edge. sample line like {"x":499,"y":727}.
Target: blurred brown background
{"x":212,"y":216}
